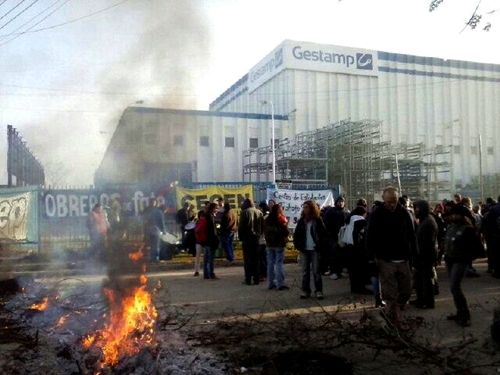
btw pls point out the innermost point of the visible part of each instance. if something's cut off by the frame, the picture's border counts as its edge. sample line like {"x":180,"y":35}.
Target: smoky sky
{"x":153,"y":51}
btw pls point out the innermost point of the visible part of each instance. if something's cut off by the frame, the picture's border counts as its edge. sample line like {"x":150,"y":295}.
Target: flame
{"x":138,"y":255}
{"x":62,"y":320}
{"x":130,"y":325}
{"x":41,"y":306}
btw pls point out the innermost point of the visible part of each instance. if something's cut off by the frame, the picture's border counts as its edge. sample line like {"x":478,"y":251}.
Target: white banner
{"x":292,"y":201}
{"x":14,"y":217}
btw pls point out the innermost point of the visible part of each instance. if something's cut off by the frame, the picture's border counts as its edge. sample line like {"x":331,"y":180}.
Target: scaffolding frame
{"x":354,"y":155}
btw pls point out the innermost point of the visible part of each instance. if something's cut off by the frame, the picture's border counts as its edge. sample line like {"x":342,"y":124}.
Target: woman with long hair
{"x":308,"y":237}
{"x":276,"y":236}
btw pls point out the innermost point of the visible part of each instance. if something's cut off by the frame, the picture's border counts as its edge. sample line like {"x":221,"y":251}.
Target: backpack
{"x":200,"y":230}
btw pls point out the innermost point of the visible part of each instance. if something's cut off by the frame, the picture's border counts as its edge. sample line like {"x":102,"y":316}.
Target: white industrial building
{"x":306,"y":87}
{"x":417,"y":99}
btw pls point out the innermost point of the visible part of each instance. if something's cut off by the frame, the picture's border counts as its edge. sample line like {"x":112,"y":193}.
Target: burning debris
{"x":74,"y":326}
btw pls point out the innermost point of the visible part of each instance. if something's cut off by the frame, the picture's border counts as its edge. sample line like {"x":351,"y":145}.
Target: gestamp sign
{"x":315,"y":57}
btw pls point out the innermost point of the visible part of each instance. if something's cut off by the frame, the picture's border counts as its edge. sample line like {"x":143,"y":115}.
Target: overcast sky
{"x":70,"y":67}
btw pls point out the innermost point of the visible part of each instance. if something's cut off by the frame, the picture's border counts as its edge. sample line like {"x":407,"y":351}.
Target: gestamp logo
{"x":364,"y":61}
{"x":278,"y":58}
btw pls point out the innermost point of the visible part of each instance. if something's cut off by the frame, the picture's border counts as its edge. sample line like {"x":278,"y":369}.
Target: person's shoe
{"x":304,"y":295}
{"x":364,"y":291}
{"x":415,"y":302}
{"x":244,"y":282}
{"x":214,"y":277}
{"x":453,"y":317}
{"x":424,"y":306}
{"x":284,"y":287}
{"x":319,"y":295}
{"x":470,"y":273}
{"x":436,"y":289}
{"x":327,"y":273}
{"x":206,"y":277}
{"x":271,"y":287}
{"x":378,"y":301}
{"x":196,"y":274}
{"x":463,"y":322}
{"x":334,"y":276}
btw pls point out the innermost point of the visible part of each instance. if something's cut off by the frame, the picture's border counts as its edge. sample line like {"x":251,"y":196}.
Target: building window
{"x":204,"y":141}
{"x":490,"y":150}
{"x":473,"y":150}
{"x":178,"y":140}
{"x":254,"y":142}
{"x":456,"y":149}
{"x":229,"y":141}
{"x":439,"y":149}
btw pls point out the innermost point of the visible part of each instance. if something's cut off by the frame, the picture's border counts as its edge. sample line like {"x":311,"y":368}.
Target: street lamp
{"x":273,"y":151}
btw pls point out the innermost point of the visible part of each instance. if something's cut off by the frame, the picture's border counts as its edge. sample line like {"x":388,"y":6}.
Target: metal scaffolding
{"x":354,"y":155}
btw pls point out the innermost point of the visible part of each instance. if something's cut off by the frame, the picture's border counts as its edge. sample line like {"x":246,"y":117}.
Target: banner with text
{"x":197,"y":197}
{"x":292,"y":201}
{"x":14,"y":217}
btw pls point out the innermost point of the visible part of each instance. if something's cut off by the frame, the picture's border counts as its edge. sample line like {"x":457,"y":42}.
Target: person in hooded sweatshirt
{"x":426,"y":231}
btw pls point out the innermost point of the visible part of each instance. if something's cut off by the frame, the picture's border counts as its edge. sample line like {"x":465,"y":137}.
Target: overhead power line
{"x":37,"y":23}
{"x":70,"y":21}
{"x":27,"y":22}
{"x":13,"y":9}
{"x":18,"y":14}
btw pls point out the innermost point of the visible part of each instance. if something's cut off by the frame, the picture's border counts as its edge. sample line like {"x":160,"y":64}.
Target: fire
{"x":41,"y":306}
{"x":62,"y":320}
{"x":131,"y":323}
{"x":138,"y":255}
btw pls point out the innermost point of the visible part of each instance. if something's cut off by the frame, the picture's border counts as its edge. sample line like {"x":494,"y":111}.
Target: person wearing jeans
{"x":308,"y":237}
{"x":276,"y":237}
{"x":211,"y":244}
{"x":228,"y":226}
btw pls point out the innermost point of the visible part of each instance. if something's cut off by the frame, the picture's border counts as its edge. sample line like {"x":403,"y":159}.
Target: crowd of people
{"x":387,"y":250}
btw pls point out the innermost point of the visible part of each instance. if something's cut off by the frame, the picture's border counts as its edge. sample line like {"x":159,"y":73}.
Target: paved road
{"x":210,"y":299}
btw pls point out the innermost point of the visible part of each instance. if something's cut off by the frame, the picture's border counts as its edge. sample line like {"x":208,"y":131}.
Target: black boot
{"x":378,"y":301}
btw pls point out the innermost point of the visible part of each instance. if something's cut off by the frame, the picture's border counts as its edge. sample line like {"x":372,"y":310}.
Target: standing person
{"x":334,"y":218}
{"x":356,"y":257}
{"x":154,"y":227}
{"x":199,"y":239}
{"x":250,"y":228}
{"x":308,"y":236}
{"x":490,"y":228}
{"x":211,"y":243}
{"x":276,"y":235}
{"x":427,"y":234}
{"x":390,"y":237}
{"x":264,"y":208}
{"x":461,"y":243}
{"x":182,"y":218}
{"x":98,"y":226}
{"x":228,"y":227}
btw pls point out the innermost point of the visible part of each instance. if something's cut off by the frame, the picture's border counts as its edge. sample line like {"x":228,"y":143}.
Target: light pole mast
{"x":273,"y":151}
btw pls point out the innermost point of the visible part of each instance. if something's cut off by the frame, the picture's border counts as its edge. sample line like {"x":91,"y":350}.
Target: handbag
{"x":342,"y":232}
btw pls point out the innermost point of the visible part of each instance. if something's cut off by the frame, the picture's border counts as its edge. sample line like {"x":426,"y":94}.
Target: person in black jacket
{"x":356,"y":257}
{"x":462,"y":243}
{"x":391,"y":241}
{"x":308,"y":237}
{"x":427,"y":232}
{"x":212,"y":242}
